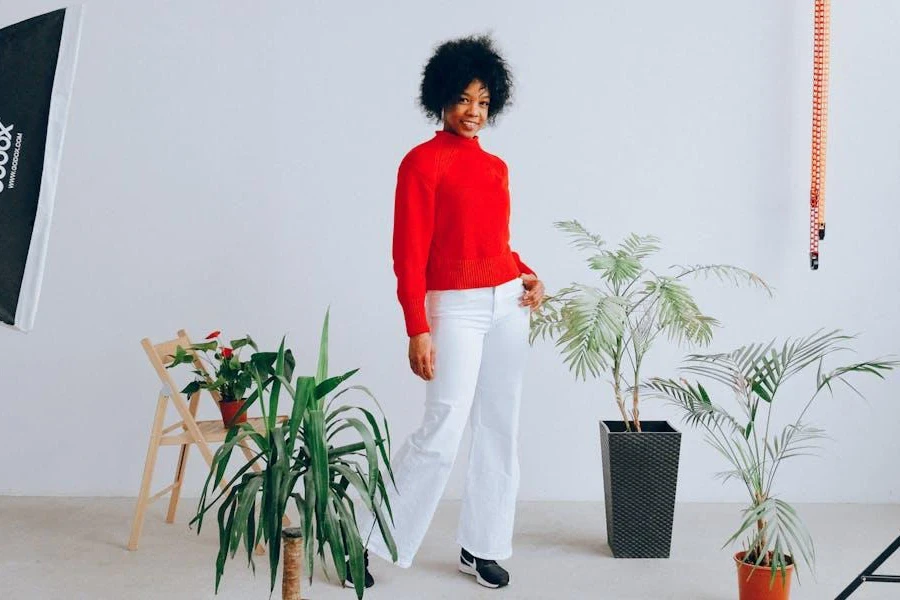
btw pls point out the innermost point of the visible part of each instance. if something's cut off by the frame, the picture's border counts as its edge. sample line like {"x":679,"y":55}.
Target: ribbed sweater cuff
{"x":416,"y":319}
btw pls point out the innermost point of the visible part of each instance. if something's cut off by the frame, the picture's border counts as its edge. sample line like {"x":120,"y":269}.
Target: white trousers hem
{"x":377,"y":547}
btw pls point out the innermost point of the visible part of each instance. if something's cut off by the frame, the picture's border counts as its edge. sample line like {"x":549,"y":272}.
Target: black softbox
{"x":37,"y":68}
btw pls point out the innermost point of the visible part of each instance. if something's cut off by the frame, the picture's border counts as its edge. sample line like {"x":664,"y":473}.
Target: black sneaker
{"x":370,"y":581}
{"x":487,"y":572}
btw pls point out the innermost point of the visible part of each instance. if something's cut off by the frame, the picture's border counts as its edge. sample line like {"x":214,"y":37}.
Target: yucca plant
{"x":611,"y":326}
{"x":745,"y":434}
{"x":298,"y":459}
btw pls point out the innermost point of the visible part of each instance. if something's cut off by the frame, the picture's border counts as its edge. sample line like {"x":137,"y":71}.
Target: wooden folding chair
{"x":185,"y":432}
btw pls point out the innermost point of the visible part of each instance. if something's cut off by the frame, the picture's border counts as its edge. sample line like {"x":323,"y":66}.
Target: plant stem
{"x":752,"y":410}
{"x":617,"y":389}
{"x":761,"y":538}
{"x":635,"y":397}
{"x":620,"y":402}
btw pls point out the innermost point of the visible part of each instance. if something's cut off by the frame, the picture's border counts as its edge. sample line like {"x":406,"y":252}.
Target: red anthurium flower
{"x":213,"y":335}
{"x":227,"y":352}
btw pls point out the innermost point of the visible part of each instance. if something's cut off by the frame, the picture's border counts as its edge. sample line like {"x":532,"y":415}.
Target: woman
{"x":466,"y":298}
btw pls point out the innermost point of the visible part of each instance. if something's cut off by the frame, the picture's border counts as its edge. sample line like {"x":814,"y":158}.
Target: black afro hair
{"x":453,"y":66}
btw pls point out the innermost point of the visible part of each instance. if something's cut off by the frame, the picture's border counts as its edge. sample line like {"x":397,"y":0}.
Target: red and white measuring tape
{"x":819,"y":129}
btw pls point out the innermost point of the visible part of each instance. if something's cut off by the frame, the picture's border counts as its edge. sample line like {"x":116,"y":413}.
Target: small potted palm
{"x":742,"y":429}
{"x":301,"y":461}
{"x":607,"y":328}
{"x":231,"y":378}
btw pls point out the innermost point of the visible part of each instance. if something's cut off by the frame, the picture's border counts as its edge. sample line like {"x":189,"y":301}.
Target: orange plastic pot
{"x":755,"y":583}
{"x":229,"y":410}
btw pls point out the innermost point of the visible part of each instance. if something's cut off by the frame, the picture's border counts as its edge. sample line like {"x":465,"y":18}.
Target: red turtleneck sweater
{"x":451,"y":223}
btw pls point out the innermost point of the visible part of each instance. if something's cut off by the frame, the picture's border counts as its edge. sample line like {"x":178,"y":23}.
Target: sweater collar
{"x":457,"y":140}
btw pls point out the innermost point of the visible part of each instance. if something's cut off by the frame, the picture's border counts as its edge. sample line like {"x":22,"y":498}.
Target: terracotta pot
{"x":753,"y":583}
{"x":229,"y":410}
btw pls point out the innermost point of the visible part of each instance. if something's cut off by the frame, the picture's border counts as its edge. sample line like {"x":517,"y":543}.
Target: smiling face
{"x":468,"y":114}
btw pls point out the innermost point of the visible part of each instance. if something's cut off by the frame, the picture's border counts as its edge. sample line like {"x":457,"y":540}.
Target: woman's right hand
{"x":421,"y":356}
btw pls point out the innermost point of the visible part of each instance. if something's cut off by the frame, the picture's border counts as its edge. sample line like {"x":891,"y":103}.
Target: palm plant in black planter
{"x":298,"y":460}
{"x":608,"y":328}
{"x":745,"y":435}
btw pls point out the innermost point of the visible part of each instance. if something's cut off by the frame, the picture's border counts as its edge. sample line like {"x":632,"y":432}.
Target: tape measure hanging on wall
{"x":819,"y":129}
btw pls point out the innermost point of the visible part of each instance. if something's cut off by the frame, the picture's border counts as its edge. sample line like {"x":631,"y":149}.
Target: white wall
{"x":231,"y":165}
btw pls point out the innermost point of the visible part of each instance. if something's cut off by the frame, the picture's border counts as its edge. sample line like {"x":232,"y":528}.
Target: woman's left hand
{"x":534,"y":291}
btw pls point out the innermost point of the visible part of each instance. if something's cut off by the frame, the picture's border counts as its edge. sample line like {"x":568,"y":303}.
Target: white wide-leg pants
{"x":481,"y":337}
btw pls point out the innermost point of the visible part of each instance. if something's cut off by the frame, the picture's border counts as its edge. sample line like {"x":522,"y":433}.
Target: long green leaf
{"x":226,"y":522}
{"x":276,"y":387}
{"x":369,"y":440}
{"x":335,"y":542}
{"x":250,"y":536}
{"x":365,"y":490}
{"x":322,"y":367}
{"x":204,"y":506}
{"x":385,"y":532}
{"x":303,"y":400}
{"x":246,"y":501}
{"x":354,"y":548}
{"x":326,"y":387}
{"x":315,"y":424}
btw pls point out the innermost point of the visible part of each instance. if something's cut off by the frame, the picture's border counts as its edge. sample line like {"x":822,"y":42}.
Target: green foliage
{"x":611,"y":326}
{"x":231,"y":377}
{"x":754,"y":375}
{"x":296,"y":460}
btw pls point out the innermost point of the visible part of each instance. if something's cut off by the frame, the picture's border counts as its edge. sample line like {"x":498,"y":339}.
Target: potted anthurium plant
{"x":322,"y":457}
{"x":608,"y":327}
{"x":231,"y":377}
{"x":741,"y":427}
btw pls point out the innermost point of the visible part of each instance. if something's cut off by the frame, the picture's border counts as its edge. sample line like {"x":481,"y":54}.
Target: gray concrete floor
{"x":75,"y":548}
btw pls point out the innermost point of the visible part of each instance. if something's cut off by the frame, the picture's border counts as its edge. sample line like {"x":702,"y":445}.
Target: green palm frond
{"x":755,"y":373}
{"x":640,"y":246}
{"x":612,"y":327}
{"x":593,"y":323}
{"x":797,"y":354}
{"x":744,"y":467}
{"x":876,"y":367}
{"x":796,"y":440}
{"x":616,"y":267}
{"x":724,"y":273}
{"x":694,"y":400}
{"x":728,"y":475}
{"x":783,"y":534}
{"x":642,"y":328}
{"x":732,"y":368}
{"x":677,"y":312}
{"x":547,"y":321}
{"x":762,"y":367}
{"x":581,"y":237}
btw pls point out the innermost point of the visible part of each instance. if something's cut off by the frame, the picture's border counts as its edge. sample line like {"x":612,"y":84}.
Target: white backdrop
{"x":231,"y":165}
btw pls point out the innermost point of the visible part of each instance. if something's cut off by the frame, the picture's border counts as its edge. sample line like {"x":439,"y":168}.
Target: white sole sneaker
{"x":470,"y":570}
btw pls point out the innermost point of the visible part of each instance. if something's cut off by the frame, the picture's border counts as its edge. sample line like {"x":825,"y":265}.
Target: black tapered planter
{"x":640,"y":473}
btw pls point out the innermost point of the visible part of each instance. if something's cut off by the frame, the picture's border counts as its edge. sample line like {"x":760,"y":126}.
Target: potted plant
{"x":231,"y":376}
{"x":300,"y":459}
{"x":608,"y":328}
{"x":775,"y":536}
